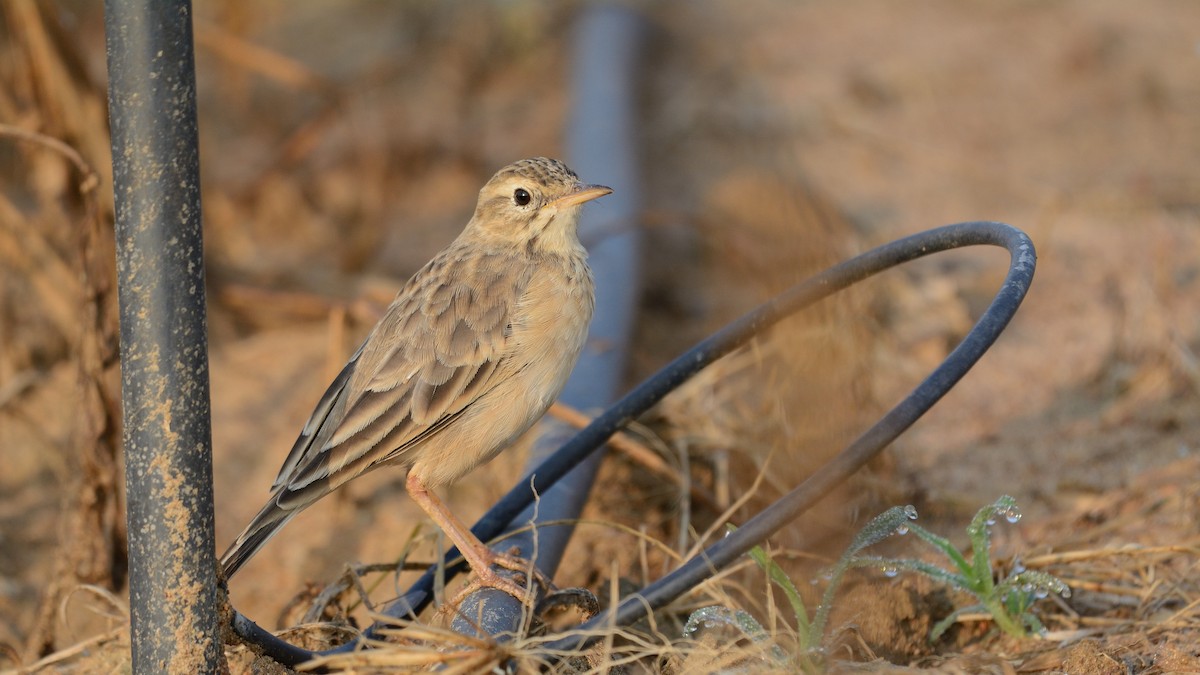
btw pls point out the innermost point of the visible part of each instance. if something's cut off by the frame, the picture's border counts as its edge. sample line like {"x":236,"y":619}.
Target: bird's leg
{"x":478,"y":556}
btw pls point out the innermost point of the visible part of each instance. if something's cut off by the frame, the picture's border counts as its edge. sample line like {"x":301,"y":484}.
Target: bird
{"x":471,"y":352}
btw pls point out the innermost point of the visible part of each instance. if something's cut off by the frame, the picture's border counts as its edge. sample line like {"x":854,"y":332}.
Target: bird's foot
{"x":486,"y":577}
{"x":491,"y":579}
{"x":526,"y":567}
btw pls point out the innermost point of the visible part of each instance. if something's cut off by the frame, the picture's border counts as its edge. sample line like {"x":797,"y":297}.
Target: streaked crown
{"x":544,"y":170}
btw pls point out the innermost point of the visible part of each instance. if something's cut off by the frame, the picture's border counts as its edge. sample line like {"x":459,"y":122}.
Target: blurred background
{"x":343,"y":145}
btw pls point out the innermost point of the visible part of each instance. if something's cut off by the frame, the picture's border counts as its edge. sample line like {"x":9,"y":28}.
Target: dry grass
{"x":1131,"y":603}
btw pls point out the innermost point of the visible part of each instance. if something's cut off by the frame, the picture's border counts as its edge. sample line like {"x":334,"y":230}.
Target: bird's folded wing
{"x":315,"y":421}
{"x":395,"y":395}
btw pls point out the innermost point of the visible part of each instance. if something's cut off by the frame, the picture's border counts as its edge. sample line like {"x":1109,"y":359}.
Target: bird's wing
{"x":438,"y":349}
{"x":434,"y":353}
{"x":315,"y":421}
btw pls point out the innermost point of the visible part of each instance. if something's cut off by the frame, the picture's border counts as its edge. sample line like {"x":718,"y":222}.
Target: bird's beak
{"x":582,"y":193}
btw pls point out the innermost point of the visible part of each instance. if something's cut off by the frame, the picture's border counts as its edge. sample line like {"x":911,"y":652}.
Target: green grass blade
{"x":780,"y":578}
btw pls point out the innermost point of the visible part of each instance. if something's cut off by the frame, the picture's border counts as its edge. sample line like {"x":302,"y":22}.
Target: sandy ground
{"x":341,"y":149}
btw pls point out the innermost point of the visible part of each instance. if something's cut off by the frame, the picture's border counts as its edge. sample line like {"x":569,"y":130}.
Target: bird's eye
{"x":521,"y":197}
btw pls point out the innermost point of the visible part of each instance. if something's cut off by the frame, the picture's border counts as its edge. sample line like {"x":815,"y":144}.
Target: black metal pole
{"x":174,"y":597}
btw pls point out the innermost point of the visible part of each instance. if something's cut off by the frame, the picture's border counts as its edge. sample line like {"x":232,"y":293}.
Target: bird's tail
{"x":263,"y":527}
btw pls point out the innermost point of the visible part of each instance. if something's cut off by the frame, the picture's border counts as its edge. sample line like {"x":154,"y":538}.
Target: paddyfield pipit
{"x":472,"y":351}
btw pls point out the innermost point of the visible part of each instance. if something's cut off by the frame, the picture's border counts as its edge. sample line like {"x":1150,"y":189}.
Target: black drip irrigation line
{"x":757,"y":529}
{"x":981,"y":337}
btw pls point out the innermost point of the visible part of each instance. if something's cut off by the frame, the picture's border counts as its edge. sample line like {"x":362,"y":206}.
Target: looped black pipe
{"x":757,"y":529}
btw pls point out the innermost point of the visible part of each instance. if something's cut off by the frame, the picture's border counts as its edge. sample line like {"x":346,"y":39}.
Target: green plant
{"x":809,"y":631}
{"x":1009,"y":600}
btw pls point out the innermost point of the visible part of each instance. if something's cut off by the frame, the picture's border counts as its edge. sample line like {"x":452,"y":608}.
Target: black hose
{"x":606,"y":64}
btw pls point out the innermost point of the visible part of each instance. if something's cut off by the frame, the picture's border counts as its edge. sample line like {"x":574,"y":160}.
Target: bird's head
{"x":533,"y":202}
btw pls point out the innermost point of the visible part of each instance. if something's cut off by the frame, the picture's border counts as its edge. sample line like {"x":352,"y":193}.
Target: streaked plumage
{"x":470,"y":354}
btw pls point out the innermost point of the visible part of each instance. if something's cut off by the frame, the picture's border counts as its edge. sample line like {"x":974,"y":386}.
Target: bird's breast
{"x":550,"y":323}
